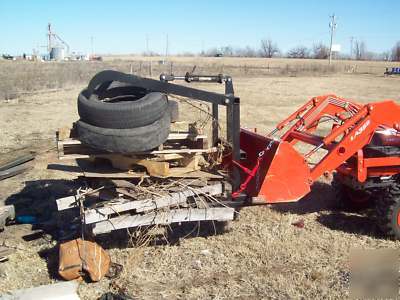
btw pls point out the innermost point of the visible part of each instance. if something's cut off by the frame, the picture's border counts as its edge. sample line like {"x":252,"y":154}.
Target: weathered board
{"x":165,"y":218}
{"x":122,"y":205}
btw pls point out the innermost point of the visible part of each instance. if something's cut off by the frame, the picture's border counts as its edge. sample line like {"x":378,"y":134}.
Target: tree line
{"x":268,"y":48}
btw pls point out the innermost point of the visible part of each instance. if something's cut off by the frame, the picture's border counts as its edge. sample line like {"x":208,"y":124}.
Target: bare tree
{"x":268,"y":48}
{"x":386,"y":55}
{"x":212,"y":52}
{"x":227,"y":51}
{"x":320,"y":51}
{"x":299,"y":52}
{"x":360,"y":50}
{"x":245,"y":52}
{"x":396,"y":52}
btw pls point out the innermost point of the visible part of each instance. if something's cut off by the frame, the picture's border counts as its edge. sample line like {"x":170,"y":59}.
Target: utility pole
{"x":91,"y":44}
{"x":147,"y":45}
{"x":166,"y":48}
{"x":332,"y":26}
{"x":351,"y":47}
{"x":49,"y":34}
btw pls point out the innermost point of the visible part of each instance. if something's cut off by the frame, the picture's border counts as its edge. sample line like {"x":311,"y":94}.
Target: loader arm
{"x":285,"y":172}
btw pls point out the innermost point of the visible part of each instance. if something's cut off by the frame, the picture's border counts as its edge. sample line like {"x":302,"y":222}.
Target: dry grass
{"x":263,"y":256}
{"x":18,"y":77}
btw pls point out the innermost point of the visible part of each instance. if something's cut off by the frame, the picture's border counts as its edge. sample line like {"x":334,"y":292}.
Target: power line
{"x":147,"y":44}
{"x":351,"y":46}
{"x":332,"y":26}
{"x":166,"y":47}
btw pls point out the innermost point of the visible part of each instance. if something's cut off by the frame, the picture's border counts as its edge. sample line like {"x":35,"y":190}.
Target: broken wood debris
{"x":4,"y":252}
{"x":54,"y":291}
{"x":15,"y":166}
{"x":121,"y":205}
{"x":6,"y":213}
{"x":165,"y":218}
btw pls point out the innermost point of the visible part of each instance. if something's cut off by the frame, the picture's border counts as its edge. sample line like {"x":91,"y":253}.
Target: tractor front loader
{"x":360,"y":142}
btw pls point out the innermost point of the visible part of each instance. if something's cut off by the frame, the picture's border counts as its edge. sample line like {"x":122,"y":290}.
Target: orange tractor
{"x":360,"y":143}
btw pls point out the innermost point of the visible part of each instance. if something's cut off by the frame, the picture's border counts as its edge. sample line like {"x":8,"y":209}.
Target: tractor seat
{"x":386,"y":137}
{"x":385,"y":142}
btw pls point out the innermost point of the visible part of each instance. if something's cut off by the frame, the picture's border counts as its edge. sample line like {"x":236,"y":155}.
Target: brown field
{"x":262,"y":256}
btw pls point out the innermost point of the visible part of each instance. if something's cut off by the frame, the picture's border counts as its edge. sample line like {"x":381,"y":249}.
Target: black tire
{"x":125,"y":140}
{"x":119,"y":112}
{"x":388,"y":212}
{"x":174,"y":110}
{"x":116,"y":88}
{"x":348,"y":199}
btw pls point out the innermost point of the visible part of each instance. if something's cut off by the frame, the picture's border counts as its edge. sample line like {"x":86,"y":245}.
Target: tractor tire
{"x":122,"y":111}
{"x":174,"y":110}
{"x":348,"y":199}
{"x":127,"y":140}
{"x":388,"y":212}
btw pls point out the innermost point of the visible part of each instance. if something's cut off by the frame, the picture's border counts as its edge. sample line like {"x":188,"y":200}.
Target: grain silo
{"x":57,"y":53}
{"x":57,"y":47}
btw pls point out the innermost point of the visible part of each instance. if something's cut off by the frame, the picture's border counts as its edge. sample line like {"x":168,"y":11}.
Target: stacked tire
{"x":121,"y":118}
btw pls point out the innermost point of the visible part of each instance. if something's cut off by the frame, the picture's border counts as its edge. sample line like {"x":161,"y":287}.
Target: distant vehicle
{"x":96,"y":58}
{"x":8,"y":57}
{"x":394,"y":71}
{"x":218,"y":55}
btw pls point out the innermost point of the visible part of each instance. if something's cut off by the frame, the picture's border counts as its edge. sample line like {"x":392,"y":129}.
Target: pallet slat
{"x":122,"y":205}
{"x":165,"y":218}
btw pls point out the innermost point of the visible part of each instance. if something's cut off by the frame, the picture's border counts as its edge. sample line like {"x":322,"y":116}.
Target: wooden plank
{"x":180,"y":126}
{"x":64,"y":138}
{"x":6,"y":213}
{"x":16,"y":161}
{"x":154,"y":168}
{"x":64,"y":133}
{"x":116,"y":175}
{"x":167,"y":151}
{"x":165,"y":218}
{"x":122,"y":205}
{"x":185,"y":136}
{"x":53,"y":291}
{"x":197,"y":174}
{"x":168,"y":157}
{"x":153,"y":152}
{"x":72,"y":156}
{"x":70,"y":142}
{"x":15,"y":170}
{"x":65,"y":202}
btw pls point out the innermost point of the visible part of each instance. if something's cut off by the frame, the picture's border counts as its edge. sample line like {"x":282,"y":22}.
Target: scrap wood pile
{"x":142,"y":167}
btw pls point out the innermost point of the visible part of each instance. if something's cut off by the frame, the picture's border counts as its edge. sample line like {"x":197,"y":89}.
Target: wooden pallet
{"x":180,"y":154}
{"x":126,"y":212}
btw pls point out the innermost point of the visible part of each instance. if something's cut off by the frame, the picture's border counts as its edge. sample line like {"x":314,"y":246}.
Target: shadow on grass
{"x":161,"y":235}
{"x":360,"y":224}
{"x":322,"y":200}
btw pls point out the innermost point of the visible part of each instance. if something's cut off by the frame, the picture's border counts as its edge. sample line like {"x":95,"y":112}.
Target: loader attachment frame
{"x":227,"y":99}
{"x":285,"y":173}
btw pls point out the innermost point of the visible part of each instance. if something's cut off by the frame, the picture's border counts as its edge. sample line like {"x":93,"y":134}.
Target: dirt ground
{"x":262,"y":256}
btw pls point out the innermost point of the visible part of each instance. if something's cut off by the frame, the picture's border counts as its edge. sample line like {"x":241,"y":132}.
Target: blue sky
{"x":122,"y":26}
